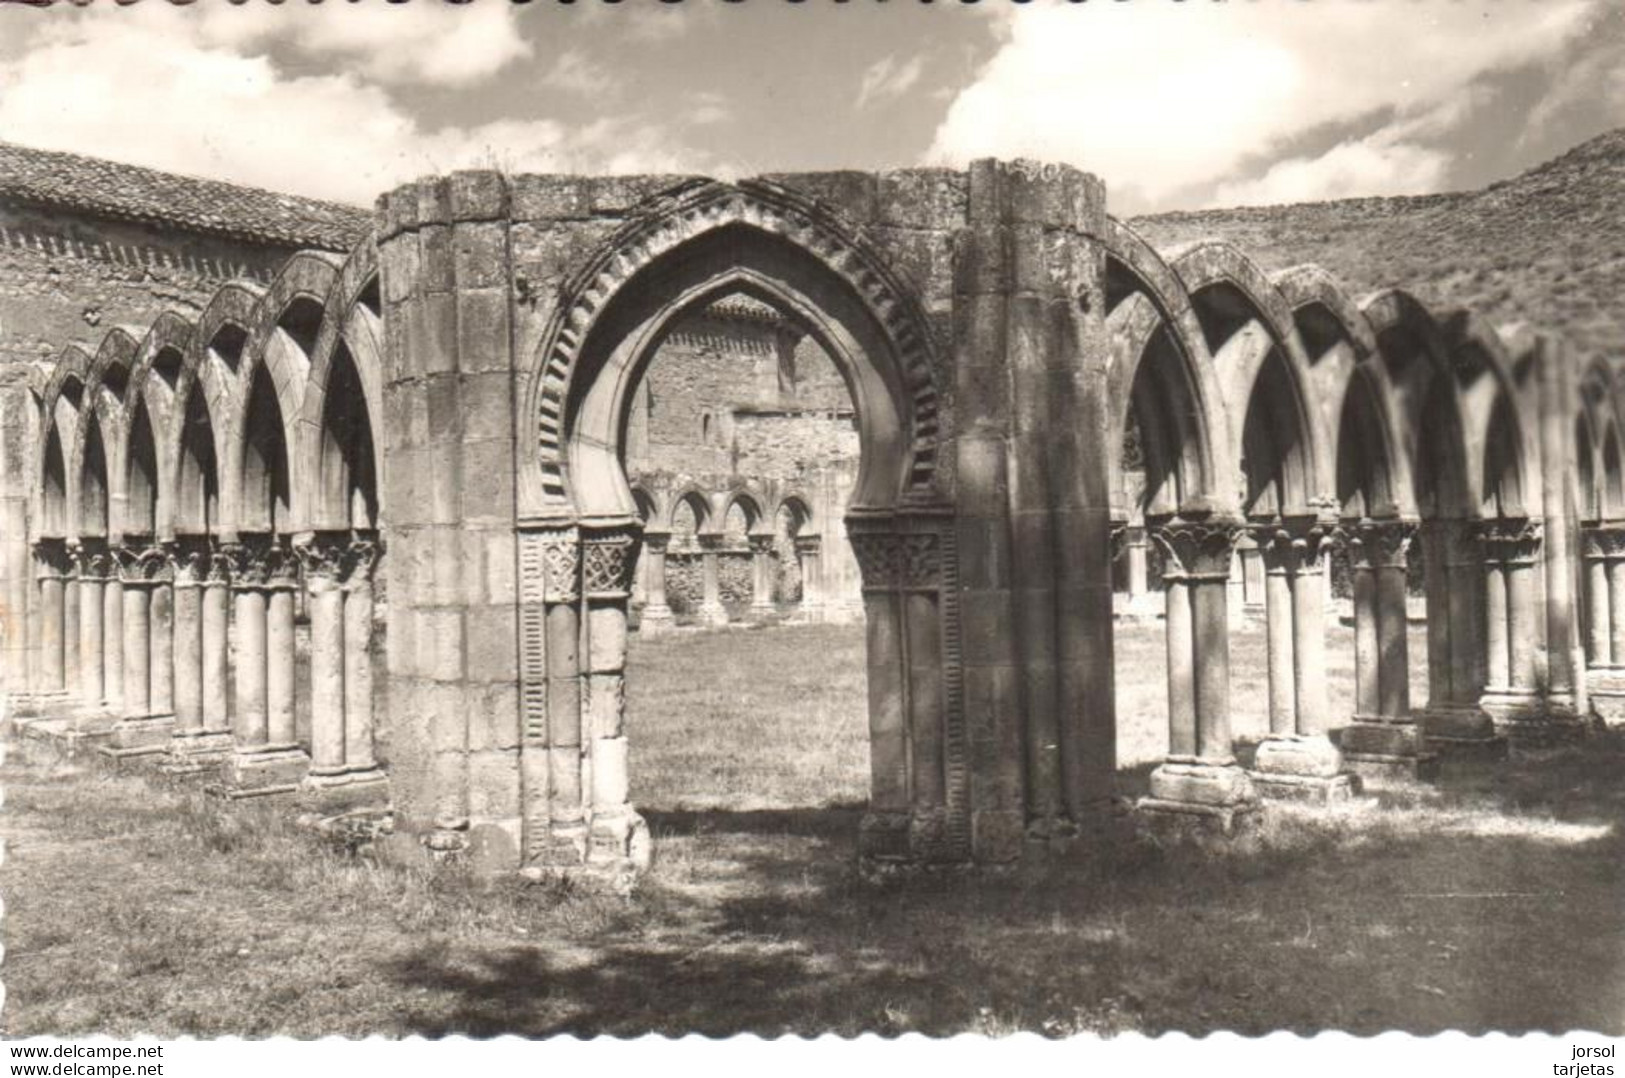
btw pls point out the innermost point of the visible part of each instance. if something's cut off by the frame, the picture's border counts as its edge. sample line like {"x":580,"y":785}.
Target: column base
{"x":1190,"y":793}
{"x":656,"y":620}
{"x":340,"y":792}
{"x":1606,"y":688}
{"x":1462,"y":732}
{"x":1294,"y":768}
{"x":610,"y":852}
{"x":58,"y":739}
{"x":194,"y":752}
{"x":39,"y":705}
{"x":1384,"y":751}
{"x":1530,"y":718}
{"x":924,"y":836}
{"x":262,"y":772}
{"x":147,"y":735}
{"x":712,"y":616}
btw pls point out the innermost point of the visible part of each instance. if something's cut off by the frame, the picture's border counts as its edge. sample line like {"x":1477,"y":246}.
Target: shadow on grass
{"x":1490,"y":903}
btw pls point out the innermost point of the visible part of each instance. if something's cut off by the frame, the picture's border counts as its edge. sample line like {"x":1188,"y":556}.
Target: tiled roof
{"x":111,"y":189}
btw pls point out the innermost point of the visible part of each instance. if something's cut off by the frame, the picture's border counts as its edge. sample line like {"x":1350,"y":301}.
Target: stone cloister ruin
{"x":436,"y":426}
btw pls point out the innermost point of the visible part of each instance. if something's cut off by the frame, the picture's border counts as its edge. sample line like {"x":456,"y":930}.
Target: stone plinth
{"x":1302,"y":768}
{"x":1200,"y":793}
{"x":345,"y":792}
{"x":197,"y":752}
{"x":1388,"y":752}
{"x":146,"y":736}
{"x":1529,"y":718}
{"x":1605,"y":687}
{"x":1465,"y":732}
{"x":263,"y":773}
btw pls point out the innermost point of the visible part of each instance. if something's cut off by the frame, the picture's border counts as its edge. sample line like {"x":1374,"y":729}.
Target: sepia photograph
{"x":1085,"y":518}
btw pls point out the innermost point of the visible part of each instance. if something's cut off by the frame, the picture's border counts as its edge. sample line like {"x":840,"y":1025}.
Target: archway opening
{"x":93,"y":491}
{"x":197,"y":499}
{"x":141,"y":478}
{"x":265,"y":492}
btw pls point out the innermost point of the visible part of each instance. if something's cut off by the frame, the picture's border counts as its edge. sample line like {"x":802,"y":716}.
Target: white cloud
{"x":440,"y":43}
{"x":1156,"y":98}
{"x":576,"y":73}
{"x":1362,"y":168}
{"x":163,"y":93}
{"x":887,"y":78}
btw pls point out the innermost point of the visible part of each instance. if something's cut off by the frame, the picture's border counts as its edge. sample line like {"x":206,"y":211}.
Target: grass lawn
{"x":1492,"y":901}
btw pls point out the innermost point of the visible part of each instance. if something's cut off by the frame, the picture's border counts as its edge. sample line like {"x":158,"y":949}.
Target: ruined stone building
{"x":451,"y":408}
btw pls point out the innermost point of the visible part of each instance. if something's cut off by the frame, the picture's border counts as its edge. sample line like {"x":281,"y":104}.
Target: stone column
{"x":216,"y":628}
{"x":761,"y":562}
{"x":1207,"y":784}
{"x":1458,"y":646}
{"x":145,"y":575}
{"x":194,"y":747}
{"x":343,"y":776}
{"x":1298,"y":760}
{"x":71,"y":676}
{"x":1273,"y":549}
{"x":809,"y":554}
{"x":265,"y":759}
{"x":1563,"y":681}
{"x":617,"y":833}
{"x":161,"y":631}
{"x":113,"y":638}
{"x":50,"y":571}
{"x":711,"y":610}
{"x":92,"y":662}
{"x":1514,"y":698}
{"x":656,"y":616}
{"x":1599,"y":626}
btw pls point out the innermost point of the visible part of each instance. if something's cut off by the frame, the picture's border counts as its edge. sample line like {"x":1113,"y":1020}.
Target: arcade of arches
{"x":435,"y":433}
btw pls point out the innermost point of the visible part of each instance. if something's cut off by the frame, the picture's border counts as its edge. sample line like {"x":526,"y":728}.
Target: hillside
{"x":1547,"y":247}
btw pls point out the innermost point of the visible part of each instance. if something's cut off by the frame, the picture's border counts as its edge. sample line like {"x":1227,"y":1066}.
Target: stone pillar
{"x":1384,"y":741}
{"x":1514,"y":699}
{"x":1563,"y":684}
{"x":1207,"y":784}
{"x":148,"y":721}
{"x":1458,"y":645}
{"x":71,"y":676}
{"x":761,"y":562}
{"x":1253,"y":577}
{"x":216,"y":628}
{"x":656,"y":616}
{"x":50,"y":572}
{"x":1141,"y":601}
{"x":1273,"y":551}
{"x":1298,"y":760}
{"x":265,"y":758}
{"x":617,"y":834}
{"x":1604,"y":547}
{"x":809,"y":554}
{"x":113,"y":638}
{"x":194,"y":747}
{"x":92,"y":662}
{"x":343,"y":776}
{"x":711,"y":610}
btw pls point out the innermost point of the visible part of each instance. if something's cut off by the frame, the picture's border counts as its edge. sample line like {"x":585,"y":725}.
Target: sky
{"x":1176,"y":105}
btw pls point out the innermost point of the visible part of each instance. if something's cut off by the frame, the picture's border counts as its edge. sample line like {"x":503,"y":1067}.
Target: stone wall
{"x":69,"y":276}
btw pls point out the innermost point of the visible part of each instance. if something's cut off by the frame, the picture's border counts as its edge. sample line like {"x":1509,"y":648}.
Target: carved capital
{"x":1510,"y":540}
{"x":1377,"y":544}
{"x":1197,"y":549}
{"x":761,"y":544}
{"x":190,"y":566}
{"x":55,"y":561}
{"x":323,"y":558}
{"x":656,"y":542}
{"x":1291,"y":547}
{"x":261,"y":564}
{"x":808,"y":544}
{"x":144,"y":565}
{"x":877,"y":555}
{"x":608,"y":560}
{"x":360,"y":560}
{"x":1604,"y":541}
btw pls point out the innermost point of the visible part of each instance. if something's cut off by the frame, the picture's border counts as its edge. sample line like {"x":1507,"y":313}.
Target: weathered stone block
{"x":500,"y":567}
{"x":433,"y":334}
{"x":478,"y":196}
{"x":492,"y":644}
{"x":617,"y":194}
{"x":493,"y":784}
{"x":483,"y":331}
{"x":922,"y":198}
{"x":1202,"y":784}
{"x":606,"y":637}
{"x":433,"y":201}
{"x":481,"y":253}
{"x":436,"y":267}
{"x":1310,"y":757}
{"x":851,"y":194}
{"x":544,"y":197}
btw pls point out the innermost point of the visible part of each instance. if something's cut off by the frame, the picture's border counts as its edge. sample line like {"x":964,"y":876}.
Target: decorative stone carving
{"x":1377,"y":544}
{"x":1510,"y":540}
{"x":1198,"y":549}
{"x":55,"y":560}
{"x":877,"y":555}
{"x":561,"y":567}
{"x":1291,"y":547}
{"x":148,"y":565}
{"x":608,"y":561}
{"x":1604,"y":541}
{"x":765,"y":206}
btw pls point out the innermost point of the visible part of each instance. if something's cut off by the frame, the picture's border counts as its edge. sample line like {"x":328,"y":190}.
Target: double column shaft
{"x":1197,"y":578}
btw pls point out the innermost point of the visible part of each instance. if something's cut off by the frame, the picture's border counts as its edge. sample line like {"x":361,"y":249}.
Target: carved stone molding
{"x":549,"y":565}
{"x":761,"y":544}
{"x":190,"y":566}
{"x":1377,"y":544}
{"x":1513,"y":541}
{"x":701,"y":208}
{"x":54,"y":560}
{"x":808,"y":544}
{"x":1604,"y":541}
{"x":261,"y":564}
{"x":146,"y":565}
{"x":608,"y":562}
{"x":877,"y":555}
{"x":1197,"y":549}
{"x":1290,"y":547}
